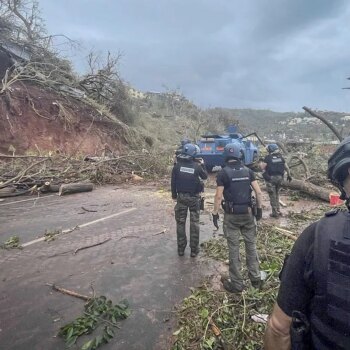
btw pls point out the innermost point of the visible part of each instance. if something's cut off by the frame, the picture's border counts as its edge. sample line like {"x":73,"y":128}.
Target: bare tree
{"x":103,"y":84}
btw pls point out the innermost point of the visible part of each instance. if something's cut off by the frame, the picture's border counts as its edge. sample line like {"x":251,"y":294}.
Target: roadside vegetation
{"x":240,"y":318}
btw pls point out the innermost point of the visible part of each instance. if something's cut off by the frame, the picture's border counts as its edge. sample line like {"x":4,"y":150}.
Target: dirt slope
{"x":33,"y":119}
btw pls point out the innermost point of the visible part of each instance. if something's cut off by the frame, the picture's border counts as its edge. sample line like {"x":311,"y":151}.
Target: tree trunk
{"x":75,"y":188}
{"x":309,"y":188}
{"x":48,"y":187}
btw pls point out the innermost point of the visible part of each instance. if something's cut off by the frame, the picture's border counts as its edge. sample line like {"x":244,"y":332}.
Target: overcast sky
{"x":266,"y":54}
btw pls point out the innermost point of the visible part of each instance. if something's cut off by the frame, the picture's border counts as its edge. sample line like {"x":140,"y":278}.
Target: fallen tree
{"x":75,"y":188}
{"x":309,"y":188}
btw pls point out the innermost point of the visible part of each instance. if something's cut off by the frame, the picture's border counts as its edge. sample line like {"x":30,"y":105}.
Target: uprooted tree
{"x":35,"y":58}
{"x":296,"y":160}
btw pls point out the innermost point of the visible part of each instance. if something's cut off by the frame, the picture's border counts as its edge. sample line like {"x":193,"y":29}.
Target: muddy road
{"x":139,"y":263}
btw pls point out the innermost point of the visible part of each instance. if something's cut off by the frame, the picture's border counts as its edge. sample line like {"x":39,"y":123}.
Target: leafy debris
{"x":98,"y":312}
{"x":51,"y":235}
{"x":229,"y":312}
{"x":11,"y":243}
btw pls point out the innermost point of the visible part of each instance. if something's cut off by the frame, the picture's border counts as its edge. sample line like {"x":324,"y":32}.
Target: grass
{"x":229,"y":312}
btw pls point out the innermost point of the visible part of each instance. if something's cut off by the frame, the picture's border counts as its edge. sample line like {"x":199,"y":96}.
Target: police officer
{"x":315,"y":281}
{"x":235,"y":183}
{"x":185,"y":187}
{"x":274,"y":166}
{"x":178,"y":151}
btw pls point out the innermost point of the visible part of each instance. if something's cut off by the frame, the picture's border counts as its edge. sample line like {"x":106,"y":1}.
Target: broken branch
{"x":89,"y":210}
{"x":333,"y":129}
{"x":69,"y":292}
{"x":286,"y":233}
{"x":90,"y":246}
{"x":159,"y":233}
{"x":22,"y":173}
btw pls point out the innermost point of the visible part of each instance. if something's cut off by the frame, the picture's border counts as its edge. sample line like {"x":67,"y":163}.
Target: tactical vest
{"x":275,"y":164}
{"x":239,"y":192}
{"x":330,"y":307}
{"x":187,"y":178}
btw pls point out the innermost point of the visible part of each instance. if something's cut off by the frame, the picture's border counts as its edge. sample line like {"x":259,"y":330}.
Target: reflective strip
{"x":187,"y":170}
{"x":276,"y":160}
{"x":240,"y":179}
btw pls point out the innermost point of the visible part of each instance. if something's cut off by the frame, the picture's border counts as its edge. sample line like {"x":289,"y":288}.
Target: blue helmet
{"x":272,"y":147}
{"x":232,"y":150}
{"x":189,"y":149}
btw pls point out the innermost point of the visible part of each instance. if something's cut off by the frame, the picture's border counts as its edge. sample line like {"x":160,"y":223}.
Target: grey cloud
{"x":277,"y":54}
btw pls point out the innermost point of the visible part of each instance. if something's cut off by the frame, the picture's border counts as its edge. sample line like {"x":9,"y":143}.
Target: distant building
{"x":136,"y":94}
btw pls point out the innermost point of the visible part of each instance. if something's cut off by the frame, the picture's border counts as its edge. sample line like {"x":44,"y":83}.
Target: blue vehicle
{"x":212,"y":148}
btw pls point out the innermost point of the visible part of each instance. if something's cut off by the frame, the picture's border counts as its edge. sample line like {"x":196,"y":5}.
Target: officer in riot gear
{"x":178,"y":151}
{"x":315,"y":281}
{"x":273,"y":168}
{"x":235,"y":183}
{"x":186,"y":187}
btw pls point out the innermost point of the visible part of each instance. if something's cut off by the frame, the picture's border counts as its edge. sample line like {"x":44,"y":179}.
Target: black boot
{"x":257,"y":284}
{"x":229,"y":287}
{"x":181,"y":251}
{"x":194,"y":252}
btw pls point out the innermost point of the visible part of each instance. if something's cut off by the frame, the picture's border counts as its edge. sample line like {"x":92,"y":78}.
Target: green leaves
{"x":88,"y":345}
{"x":11,"y":243}
{"x":209,"y":343}
{"x":98,"y":311}
{"x":231,"y":313}
{"x":204,"y":313}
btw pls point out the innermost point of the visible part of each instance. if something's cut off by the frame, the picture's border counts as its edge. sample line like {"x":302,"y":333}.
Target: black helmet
{"x":339,"y":163}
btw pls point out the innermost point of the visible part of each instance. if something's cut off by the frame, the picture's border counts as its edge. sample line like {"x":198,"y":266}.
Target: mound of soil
{"x":34,"y":119}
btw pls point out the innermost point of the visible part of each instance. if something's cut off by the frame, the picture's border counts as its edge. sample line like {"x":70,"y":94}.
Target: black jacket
{"x":185,"y":177}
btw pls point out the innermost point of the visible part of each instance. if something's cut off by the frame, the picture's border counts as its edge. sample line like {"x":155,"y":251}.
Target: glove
{"x":215,"y":220}
{"x":258,"y":214}
{"x":289,"y":178}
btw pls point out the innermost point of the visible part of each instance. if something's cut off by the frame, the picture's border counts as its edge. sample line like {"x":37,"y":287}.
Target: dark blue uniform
{"x":185,"y":187}
{"x":316,"y":281}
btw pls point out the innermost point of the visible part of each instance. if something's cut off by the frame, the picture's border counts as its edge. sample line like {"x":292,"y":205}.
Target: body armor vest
{"x":275,"y":165}
{"x":330,"y":307}
{"x":239,"y":191}
{"x":187,"y":178}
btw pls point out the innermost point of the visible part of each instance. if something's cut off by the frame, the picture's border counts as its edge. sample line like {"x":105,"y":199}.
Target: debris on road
{"x":89,"y":210}
{"x":287,"y":233}
{"x":49,"y":187}
{"x":11,"y":243}
{"x":98,"y":312}
{"x":260,"y":318}
{"x":69,"y":292}
{"x":238,"y":317}
{"x":159,"y":233}
{"x":91,"y":245}
{"x":75,"y":188}
{"x":51,"y":235}
{"x":217,"y":332}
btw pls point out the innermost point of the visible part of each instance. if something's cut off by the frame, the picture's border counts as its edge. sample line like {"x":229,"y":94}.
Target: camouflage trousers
{"x":184,"y":203}
{"x":273,"y":188}
{"x":245,"y":225}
